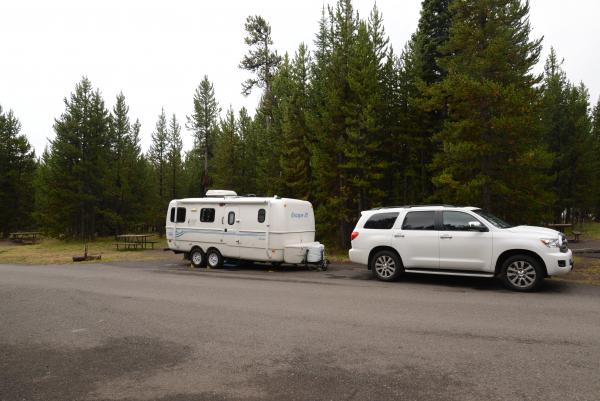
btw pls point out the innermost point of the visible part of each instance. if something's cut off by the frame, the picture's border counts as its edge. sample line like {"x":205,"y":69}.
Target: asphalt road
{"x":160,"y":331}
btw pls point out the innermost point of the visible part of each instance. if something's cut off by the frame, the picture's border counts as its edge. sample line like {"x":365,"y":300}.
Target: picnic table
{"x":29,"y":237}
{"x":128,"y":241}
{"x":560,"y":226}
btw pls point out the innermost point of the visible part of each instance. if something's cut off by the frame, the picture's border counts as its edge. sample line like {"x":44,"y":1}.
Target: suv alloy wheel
{"x":522,"y":273}
{"x":386,"y":266}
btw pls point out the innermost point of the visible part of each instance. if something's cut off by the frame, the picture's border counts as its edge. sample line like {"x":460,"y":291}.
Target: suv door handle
{"x":445,"y":236}
{"x":398,"y":235}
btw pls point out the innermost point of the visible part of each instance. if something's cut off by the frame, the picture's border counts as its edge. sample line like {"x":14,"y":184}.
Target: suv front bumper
{"x":558,"y":263}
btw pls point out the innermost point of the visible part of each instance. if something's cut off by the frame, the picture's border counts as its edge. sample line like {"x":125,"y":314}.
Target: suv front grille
{"x":565,"y":244}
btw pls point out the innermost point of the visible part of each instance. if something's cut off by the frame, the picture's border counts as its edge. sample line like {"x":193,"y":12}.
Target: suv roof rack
{"x":409,"y":206}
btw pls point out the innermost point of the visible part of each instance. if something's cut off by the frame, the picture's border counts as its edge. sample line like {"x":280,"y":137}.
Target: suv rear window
{"x":419,"y":221}
{"x":381,"y":221}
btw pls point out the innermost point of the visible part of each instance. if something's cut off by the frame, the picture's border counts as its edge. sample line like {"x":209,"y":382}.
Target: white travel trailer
{"x":223,"y":225}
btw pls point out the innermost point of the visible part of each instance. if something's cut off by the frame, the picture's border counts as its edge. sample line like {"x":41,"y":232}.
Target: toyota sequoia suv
{"x":459,"y":241}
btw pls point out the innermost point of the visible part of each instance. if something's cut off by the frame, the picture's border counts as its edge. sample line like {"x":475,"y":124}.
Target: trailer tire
{"x":214,"y":259}
{"x":197,"y":258}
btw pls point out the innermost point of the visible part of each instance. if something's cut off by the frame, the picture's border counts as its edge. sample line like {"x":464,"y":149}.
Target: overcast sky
{"x":157,"y":52}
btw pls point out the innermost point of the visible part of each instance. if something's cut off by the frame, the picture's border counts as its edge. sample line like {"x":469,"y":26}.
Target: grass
{"x":585,"y":271}
{"x":54,"y":251}
{"x":337,"y":255}
{"x":589,"y":230}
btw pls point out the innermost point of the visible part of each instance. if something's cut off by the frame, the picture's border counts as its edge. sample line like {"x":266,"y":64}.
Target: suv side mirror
{"x":477,"y":226}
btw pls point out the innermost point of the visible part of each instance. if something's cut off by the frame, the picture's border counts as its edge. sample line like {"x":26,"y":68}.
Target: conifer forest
{"x":457,"y":116}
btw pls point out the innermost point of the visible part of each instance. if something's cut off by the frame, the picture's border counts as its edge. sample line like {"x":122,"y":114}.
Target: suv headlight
{"x":552,"y":242}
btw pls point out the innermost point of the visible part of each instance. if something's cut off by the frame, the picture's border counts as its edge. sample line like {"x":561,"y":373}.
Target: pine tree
{"x":411,"y":164}
{"x":41,"y":180}
{"x":332,"y":95}
{"x":203,"y":124}
{"x":174,"y":160}
{"x":393,"y":143}
{"x":428,"y":117}
{"x":158,"y":157}
{"x":140,"y":198}
{"x":365,"y":157}
{"x":248,"y":153}
{"x":491,"y":153}
{"x":118,"y":186}
{"x":567,"y":132}
{"x":227,"y":160}
{"x":77,"y":167}
{"x":595,"y":134}
{"x":261,"y":60}
{"x":17,"y":170}
{"x":583,"y":158}
{"x":295,"y":154}
{"x":269,"y":120}
{"x":432,"y":33}
{"x":193,"y":174}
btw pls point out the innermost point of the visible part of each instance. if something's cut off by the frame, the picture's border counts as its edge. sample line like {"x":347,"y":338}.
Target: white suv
{"x":465,"y":241}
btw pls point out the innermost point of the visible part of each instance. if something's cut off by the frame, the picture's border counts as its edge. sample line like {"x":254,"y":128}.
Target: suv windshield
{"x":496,"y":221}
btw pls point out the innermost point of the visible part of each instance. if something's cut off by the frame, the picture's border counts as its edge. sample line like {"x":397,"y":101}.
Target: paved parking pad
{"x":164,"y":331}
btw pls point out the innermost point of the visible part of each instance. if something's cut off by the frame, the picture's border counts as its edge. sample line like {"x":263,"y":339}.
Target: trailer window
{"x":231,"y":218}
{"x":172,"y":215}
{"x":261,"y":215}
{"x":180,"y":215}
{"x":207,"y":215}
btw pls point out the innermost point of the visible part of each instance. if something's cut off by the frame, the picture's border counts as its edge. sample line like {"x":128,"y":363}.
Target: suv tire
{"x":386,"y":266}
{"x":522,"y":273}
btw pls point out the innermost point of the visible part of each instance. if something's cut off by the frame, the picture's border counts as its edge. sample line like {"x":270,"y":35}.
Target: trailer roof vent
{"x":219,"y":193}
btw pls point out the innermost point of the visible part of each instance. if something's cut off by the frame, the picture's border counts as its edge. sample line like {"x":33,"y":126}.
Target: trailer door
{"x":231,"y":236}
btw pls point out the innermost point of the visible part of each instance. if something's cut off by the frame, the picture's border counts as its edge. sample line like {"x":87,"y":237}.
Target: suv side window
{"x":381,"y":221}
{"x":419,"y":221}
{"x":457,"y":221}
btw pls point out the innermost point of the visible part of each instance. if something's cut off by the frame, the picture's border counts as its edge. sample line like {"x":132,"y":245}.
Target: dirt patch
{"x":585,"y":271}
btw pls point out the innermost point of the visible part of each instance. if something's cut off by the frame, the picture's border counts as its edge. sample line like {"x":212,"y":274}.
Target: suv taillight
{"x":354,"y":235}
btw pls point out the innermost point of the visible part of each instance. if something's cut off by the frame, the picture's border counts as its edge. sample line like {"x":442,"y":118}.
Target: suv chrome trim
{"x":449,"y":273}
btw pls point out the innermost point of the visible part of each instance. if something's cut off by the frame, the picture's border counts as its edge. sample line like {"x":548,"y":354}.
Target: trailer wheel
{"x":214,"y":258}
{"x":197,"y":258}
